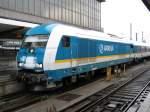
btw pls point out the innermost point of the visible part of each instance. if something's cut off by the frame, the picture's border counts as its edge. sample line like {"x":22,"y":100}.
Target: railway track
{"x":16,"y":101}
{"x":118,"y":97}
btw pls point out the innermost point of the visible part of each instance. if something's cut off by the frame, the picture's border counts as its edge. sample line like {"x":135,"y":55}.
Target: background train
{"x":54,"y":53}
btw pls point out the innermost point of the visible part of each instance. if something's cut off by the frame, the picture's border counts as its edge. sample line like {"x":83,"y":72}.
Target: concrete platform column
{"x":117,"y":71}
{"x":109,"y":75}
{"x":124,"y":68}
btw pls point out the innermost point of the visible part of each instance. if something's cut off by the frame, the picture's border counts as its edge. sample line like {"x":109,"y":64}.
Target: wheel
{"x":66,"y":81}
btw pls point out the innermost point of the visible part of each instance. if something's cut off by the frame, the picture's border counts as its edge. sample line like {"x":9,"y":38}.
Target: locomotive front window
{"x":35,"y":41}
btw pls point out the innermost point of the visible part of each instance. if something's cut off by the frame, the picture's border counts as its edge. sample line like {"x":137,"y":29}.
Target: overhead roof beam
{"x":17,"y":23}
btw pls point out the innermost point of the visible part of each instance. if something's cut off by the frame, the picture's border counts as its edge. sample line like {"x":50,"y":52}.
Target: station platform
{"x":8,"y":83}
{"x":10,"y":88}
{"x":8,"y":71}
{"x":7,"y":63}
{"x":61,"y":101}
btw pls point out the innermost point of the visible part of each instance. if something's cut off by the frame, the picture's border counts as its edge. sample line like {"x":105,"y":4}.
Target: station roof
{"x":147,"y":3}
{"x":9,"y":28}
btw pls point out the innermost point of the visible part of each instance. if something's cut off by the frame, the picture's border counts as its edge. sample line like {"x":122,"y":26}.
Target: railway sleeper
{"x":98,"y":109}
{"x":137,"y":83}
{"x":129,"y":91}
{"x":113,"y":105}
{"x":121,"y":99}
{"x":126,"y":94}
{"x":135,"y":87}
{"x":123,"y":96}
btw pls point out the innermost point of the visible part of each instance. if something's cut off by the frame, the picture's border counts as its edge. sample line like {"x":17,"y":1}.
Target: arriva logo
{"x":105,"y":48}
{"x":101,"y":48}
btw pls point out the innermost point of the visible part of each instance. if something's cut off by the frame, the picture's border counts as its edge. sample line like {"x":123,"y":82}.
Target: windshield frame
{"x":31,"y":36}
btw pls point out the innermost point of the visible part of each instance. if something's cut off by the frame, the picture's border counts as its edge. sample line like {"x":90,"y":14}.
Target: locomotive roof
{"x":90,"y":34}
{"x":41,"y":29}
{"x":83,"y":33}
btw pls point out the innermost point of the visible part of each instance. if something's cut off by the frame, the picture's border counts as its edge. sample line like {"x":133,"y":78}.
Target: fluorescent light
{"x":17,"y":23}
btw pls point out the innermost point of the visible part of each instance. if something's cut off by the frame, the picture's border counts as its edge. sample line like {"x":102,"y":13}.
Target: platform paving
{"x":8,"y":71}
{"x":10,"y":87}
{"x":56,"y":103}
{"x":7,"y":64}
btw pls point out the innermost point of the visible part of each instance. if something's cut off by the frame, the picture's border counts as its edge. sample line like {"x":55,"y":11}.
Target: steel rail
{"x":131,"y":103}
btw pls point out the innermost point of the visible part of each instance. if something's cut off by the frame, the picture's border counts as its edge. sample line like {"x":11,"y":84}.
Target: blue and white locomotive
{"x":53,"y":52}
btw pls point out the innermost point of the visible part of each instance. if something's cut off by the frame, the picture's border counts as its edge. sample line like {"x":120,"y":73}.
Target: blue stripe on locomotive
{"x":87,"y":48}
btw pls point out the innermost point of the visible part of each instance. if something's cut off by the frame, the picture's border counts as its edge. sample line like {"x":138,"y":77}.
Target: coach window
{"x":66,"y":41}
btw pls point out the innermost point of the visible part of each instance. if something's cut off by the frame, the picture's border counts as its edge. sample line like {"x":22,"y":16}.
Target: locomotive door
{"x":74,"y":52}
{"x":131,"y":52}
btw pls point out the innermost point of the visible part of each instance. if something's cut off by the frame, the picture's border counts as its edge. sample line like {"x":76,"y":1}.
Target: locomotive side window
{"x":66,"y":41}
{"x":132,"y":46}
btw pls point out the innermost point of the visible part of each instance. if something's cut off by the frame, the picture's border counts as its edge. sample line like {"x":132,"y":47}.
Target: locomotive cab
{"x":31,"y":53}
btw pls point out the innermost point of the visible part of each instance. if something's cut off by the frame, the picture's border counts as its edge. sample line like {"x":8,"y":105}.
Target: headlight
{"x":39,"y":65}
{"x":20,"y":64}
{"x":31,"y":50}
{"x":23,"y":58}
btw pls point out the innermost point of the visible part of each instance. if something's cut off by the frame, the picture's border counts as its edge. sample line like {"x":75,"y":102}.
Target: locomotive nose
{"x":30,"y":62}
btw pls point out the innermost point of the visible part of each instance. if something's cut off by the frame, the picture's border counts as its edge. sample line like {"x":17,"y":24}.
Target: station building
{"x":83,"y":13}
